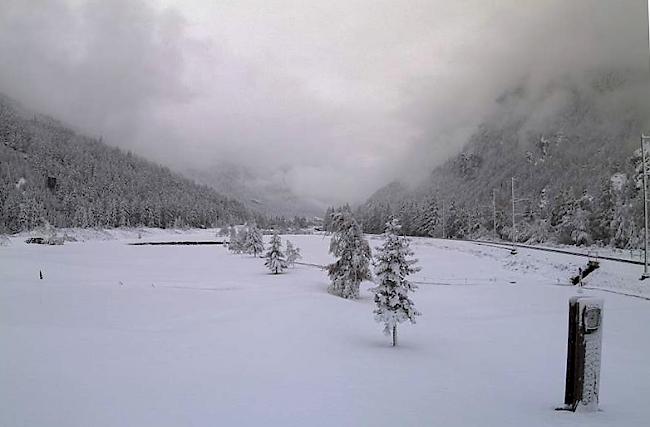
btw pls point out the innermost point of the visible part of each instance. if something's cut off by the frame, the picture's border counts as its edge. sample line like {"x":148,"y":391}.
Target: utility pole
{"x":514,"y":225}
{"x":645,"y":188}
{"x":494,"y":213}
{"x":645,"y":274}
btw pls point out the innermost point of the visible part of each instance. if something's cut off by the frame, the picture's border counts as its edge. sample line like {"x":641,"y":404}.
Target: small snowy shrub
{"x":293,"y":253}
{"x":51,"y":236}
{"x":235,"y":243}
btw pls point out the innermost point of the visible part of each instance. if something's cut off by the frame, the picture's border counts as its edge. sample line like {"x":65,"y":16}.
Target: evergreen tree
{"x":392,"y":267}
{"x":353,"y":253}
{"x":602,"y":224}
{"x":293,"y":253}
{"x":235,"y":243}
{"x":253,"y":241}
{"x":428,"y":218}
{"x":407,"y":215}
{"x":580,"y":233}
{"x":561,"y":215}
{"x":536,"y":227}
{"x":456,"y":222}
{"x":275,"y":260}
{"x":299,"y":222}
{"x":327,"y":219}
{"x":374,"y":216}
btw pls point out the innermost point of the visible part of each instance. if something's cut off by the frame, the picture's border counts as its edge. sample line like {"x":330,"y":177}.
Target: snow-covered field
{"x":118,"y":335}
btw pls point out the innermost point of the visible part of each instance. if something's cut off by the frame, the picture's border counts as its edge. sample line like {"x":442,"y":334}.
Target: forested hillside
{"x":50,"y":173}
{"x":573,"y":150}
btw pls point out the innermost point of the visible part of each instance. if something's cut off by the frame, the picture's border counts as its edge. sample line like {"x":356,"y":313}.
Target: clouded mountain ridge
{"x":266,"y":195}
{"x":567,"y":138}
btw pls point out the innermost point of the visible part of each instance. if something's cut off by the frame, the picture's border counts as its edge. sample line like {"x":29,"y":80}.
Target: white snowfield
{"x":119,"y":335}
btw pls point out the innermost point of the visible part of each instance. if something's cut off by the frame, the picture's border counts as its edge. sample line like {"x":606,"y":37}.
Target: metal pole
{"x":645,"y":210}
{"x":494,"y":211}
{"x":514,"y":225}
{"x":645,"y":188}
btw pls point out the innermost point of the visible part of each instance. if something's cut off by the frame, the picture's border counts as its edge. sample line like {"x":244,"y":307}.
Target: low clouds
{"x":105,"y":67}
{"x":336,"y":97}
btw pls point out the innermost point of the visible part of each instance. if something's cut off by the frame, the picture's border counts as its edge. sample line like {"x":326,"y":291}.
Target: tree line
{"x":610,"y":215}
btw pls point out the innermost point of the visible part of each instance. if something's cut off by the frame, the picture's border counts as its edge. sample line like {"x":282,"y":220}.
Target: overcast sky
{"x":335,"y":97}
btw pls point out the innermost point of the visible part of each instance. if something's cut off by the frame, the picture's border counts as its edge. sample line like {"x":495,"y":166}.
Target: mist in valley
{"x":320,"y":102}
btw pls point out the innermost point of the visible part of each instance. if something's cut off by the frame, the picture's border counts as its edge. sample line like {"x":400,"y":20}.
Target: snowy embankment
{"x":119,"y":335}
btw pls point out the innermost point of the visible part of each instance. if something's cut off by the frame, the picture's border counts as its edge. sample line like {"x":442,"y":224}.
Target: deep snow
{"x":119,"y":335}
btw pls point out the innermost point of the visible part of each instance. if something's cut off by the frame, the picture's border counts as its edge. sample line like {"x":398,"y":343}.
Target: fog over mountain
{"x":331,"y":99}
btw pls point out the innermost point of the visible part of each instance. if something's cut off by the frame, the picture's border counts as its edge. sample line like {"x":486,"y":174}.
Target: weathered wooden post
{"x":583,"y":354}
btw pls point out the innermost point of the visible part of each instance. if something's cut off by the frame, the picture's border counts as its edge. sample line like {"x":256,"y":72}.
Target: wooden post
{"x":394,"y":335}
{"x":582,"y":385}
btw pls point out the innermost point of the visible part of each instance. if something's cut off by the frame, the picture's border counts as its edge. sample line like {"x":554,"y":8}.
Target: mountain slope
{"x":572,"y":150}
{"x":50,"y":173}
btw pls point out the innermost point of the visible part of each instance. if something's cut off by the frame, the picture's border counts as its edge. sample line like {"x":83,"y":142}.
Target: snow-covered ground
{"x":119,"y":335}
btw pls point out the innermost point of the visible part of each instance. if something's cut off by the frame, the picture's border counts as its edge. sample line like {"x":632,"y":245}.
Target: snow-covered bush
{"x":392,"y":266}
{"x":50,"y":234}
{"x":293,"y":253}
{"x":275,"y":260}
{"x":235,"y":241}
{"x":353,"y":253}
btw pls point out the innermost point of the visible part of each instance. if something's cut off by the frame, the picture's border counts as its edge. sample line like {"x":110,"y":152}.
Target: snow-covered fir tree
{"x":456,"y":222}
{"x":408,"y":216}
{"x":293,"y":253}
{"x":253,"y":242}
{"x":392,"y":267}
{"x":327,"y":219}
{"x":242,"y":236}
{"x":353,"y":255}
{"x":275,"y":260}
{"x":428,"y":218}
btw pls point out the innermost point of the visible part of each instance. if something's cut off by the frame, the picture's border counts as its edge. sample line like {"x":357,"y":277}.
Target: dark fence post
{"x":583,"y":353}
